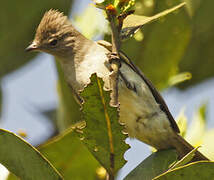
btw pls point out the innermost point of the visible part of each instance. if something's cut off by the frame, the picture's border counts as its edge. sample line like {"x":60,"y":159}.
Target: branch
{"x":114,"y":58}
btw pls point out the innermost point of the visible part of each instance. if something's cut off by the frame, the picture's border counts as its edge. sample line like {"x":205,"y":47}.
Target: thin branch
{"x":114,"y":59}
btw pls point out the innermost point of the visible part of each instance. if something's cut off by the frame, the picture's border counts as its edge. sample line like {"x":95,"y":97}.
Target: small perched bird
{"x":142,"y":109}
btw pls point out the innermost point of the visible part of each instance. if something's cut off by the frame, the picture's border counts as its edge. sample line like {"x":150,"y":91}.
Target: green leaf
{"x":152,"y":166}
{"x":24,"y":160}
{"x":196,"y":170}
{"x":181,"y":120}
{"x":179,"y":78}
{"x":103,"y":133}
{"x":198,"y":58}
{"x":187,"y":158}
{"x":15,"y":37}
{"x":70,"y":156}
{"x":133,"y":22}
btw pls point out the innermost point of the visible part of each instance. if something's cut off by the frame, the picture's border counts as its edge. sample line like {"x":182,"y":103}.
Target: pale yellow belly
{"x":142,"y":116}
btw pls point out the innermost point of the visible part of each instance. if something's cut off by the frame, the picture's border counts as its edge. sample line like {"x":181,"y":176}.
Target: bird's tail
{"x":183,"y":148}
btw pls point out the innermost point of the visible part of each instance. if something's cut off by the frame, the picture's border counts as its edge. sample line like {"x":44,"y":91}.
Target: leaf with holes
{"x":103,"y":133}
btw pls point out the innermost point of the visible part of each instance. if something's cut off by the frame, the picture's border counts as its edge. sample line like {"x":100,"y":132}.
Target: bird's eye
{"x":53,"y":42}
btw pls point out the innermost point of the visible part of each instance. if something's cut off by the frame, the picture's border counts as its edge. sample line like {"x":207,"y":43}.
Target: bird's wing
{"x":155,"y":93}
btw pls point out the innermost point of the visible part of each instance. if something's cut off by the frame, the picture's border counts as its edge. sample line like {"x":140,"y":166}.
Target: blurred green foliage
{"x":18,"y":21}
{"x":199,"y":55}
{"x":180,"y":42}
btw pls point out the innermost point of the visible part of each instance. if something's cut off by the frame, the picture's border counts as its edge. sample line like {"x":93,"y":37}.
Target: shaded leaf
{"x":133,"y":22}
{"x":16,"y":36}
{"x":153,"y":165}
{"x":70,"y":156}
{"x":102,"y":134}
{"x":196,"y":170}
{"x":24,"y":160}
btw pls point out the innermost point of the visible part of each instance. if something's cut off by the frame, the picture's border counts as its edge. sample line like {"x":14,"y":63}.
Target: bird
{"x":143,"y":111}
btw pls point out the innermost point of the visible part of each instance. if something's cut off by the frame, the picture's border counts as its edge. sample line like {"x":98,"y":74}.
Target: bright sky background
{"x":33,"y":88}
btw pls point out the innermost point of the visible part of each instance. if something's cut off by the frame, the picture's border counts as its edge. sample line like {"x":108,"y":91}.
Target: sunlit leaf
{"x":207,"y":146}
{"x":196,"y":170}
{"x":153,"y":165}
{"x":133,"y":22}
{"x":24,"y":160}
{"x":181,"y":120}
{"x":179,"y":78}
{"x":196,"y":129}
{"x":103,"y":133}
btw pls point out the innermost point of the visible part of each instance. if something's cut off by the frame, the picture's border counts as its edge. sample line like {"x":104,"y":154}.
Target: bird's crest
{"x":53,"y":22}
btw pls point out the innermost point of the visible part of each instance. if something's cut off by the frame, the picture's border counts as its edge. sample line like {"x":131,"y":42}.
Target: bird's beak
{"x":32,"y":47}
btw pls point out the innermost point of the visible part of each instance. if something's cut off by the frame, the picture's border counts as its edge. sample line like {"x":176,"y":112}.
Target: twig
{"x":114,"y":58}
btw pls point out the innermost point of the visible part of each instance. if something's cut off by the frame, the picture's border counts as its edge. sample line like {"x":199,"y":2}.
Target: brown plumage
{"x":142,"y":109}
{"x":56,"y":35}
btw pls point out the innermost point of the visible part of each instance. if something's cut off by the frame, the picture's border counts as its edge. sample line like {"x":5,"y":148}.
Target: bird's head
{"x":54,"y":35}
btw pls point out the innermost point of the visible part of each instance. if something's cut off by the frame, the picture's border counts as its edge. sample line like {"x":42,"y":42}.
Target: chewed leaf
{"x":24,"y":160}
{"x":103,"y":133}
{"x":133,"y":22}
